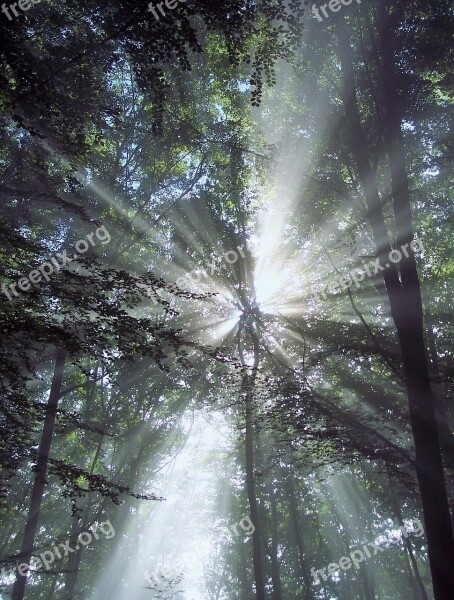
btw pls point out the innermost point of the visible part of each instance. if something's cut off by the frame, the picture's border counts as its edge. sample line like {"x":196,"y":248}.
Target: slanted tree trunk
{"x":406,"y":309}
{"x":40,"y":473}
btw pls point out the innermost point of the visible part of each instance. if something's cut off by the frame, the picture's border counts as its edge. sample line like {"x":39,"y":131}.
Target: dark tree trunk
{"x":252,"y":496}
{"x":440,"y":395}
{"x":250,"y":374}
{"x":275,"y":567}
{"x":74,"y":559}
{"x":73,"y":564}
{"x":245,"y":587}
{"x":40,"y":473}
{"x":346,"y":538}
{"x":407,"y":543}
{"x":290,"y":490}
{"x":406,"y":311}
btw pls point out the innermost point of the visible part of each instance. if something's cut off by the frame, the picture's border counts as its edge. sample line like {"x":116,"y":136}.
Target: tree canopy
{"x":226,"y":300}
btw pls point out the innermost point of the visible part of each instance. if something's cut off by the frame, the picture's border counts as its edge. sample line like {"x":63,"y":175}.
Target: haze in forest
{"x":232,"y":381}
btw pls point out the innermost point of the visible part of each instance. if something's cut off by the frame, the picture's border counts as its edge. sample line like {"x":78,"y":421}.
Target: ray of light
{"x":170,"y":534}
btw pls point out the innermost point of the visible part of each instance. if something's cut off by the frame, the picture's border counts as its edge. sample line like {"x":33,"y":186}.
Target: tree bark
{"x":248,"y":388}
{"x":40,"y":473}
{"x":406,"y":310}
{"x":407,"y":543}
{"x":252,"y":496}
{"x":440,"y":395}
{"x":73,"y":564}
{"x":74,"y":559}
{"x":244,"y":583}
{"x":290,"y":490}
{"x":275,"y":567}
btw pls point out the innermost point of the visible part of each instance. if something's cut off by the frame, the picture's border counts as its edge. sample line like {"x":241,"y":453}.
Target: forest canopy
{"x":226,"y":300}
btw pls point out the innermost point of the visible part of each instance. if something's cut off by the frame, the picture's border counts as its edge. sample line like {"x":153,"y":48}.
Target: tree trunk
{"x":275,"y":567}
{"x":244,"y":586}
{"x":248,"y":389}
{"x":40,"y":473}
{"x":290,"y":490}
{"x":406,"y":311}
{"x":73,"y":564}
{"x":74,"y":559}
{"x":440,"y":394}
{"x":407,"y":543}
{"x":252,"y":497}
{"x":346,"y":538}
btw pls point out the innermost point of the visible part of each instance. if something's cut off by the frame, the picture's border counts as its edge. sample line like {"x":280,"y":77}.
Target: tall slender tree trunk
{"x":40,"y":473}
{"x":440,"y":395}
{"x":73,"y":563}
{"x":426,"y":419}
{"x":275,"y":567}
{"x":407,"y":543}
{"x":346,"y":538}
{"x":252,"y":496}
{"x":75,"y":558}
{"x":406,"y":309}
{"x":250,"y":375}
{"x":446,"y":435}
{"x":290,"y":490}
{"x":244,"y":587}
